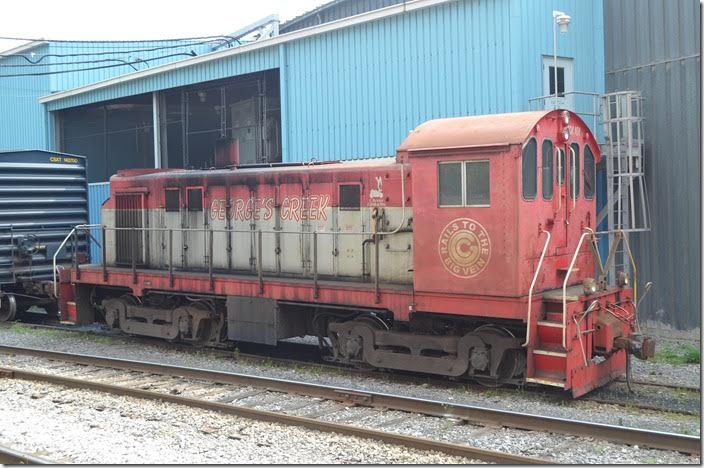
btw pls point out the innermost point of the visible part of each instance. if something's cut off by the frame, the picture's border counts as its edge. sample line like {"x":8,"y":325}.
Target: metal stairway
{"x":626,"y":206}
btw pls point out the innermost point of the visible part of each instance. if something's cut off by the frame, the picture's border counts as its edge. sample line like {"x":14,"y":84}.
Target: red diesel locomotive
{"x":471,"y":254}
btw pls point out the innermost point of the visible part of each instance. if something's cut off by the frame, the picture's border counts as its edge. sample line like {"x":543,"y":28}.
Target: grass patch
{"x":686,"y":354}
{"x":26,"y":329}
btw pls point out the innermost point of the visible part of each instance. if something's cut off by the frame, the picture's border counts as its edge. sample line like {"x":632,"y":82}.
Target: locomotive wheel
{"x":510,"y":363}
{"x":8,"y":308}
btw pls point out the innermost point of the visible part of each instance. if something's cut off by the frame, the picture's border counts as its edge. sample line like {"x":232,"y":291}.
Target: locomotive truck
{"x":470,"y":254}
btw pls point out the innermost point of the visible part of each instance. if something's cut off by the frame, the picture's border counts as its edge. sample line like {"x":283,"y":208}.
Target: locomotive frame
{"x":480,"y":296}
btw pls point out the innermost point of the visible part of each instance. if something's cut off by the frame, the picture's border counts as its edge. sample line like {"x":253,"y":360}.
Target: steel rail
{"x":280,"y":418}
{"x":10,"y":456}
{"x":475,"y":414}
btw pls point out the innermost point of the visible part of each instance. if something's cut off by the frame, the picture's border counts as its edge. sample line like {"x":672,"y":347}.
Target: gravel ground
{"x":82,"y":426}
{"x":559,"y":448}
{"x":512,"y":400}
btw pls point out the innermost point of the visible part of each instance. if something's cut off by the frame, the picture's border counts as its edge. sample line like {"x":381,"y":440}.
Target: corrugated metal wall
{"x":97,"y":194}
{"x":357,"y":92}
{"x":653,"y":46}
{"x":155,"y":53}
{"x":23,"y":121}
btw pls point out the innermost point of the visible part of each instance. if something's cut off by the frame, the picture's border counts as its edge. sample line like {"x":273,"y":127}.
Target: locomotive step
{"x":573,"y":294}
{"x":550,"y":349}
{"x":549,"y":323}
{"x":553,"y":379}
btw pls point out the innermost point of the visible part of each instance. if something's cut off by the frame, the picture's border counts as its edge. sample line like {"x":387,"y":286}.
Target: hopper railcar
{"x":471,"y":254}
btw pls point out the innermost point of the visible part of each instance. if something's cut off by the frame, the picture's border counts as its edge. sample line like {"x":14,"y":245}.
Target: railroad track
{"x":9,"y":456}
{"x":314,"y":406}
{"x":306,"y":358}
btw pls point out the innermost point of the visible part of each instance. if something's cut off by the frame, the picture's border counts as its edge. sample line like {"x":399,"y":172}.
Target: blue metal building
{"x":348,"y":88}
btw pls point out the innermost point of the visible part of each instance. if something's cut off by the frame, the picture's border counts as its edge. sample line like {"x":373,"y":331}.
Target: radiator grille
{"x":129,"y":213}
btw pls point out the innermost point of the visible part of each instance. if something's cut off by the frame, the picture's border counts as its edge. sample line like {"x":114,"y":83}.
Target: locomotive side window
{"x":530,"y":168}
{"x":574,"y":170}
{"x":450,"y":184}
{"x":546,"y":171}
{"x":589,"y":173}
{"x":195,"y":199}
{"x":477,"y":183}
{"x":172,"y":200}
{"x":463,"y":183}
{"x":350,"y":197}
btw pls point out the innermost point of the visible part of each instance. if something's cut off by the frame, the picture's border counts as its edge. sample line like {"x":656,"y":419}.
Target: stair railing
{"x":532,"y":284}
{"x":587,"y":232}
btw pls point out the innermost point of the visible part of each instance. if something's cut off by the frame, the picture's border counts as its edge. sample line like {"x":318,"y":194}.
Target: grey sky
{"x":137,"y":19}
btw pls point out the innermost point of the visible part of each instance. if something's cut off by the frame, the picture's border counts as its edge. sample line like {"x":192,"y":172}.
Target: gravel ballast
{"x":83,"y":426}
{"x":512,"y":400}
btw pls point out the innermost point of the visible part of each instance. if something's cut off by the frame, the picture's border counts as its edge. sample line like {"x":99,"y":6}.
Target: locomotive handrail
{"x":56,"y":253}
{"x":560,"y":178}
{"x":532,"y":284}
{"x":587,"y":232}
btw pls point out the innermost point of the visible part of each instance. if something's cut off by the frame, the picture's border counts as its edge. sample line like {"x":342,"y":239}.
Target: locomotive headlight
{"x":565,"y":134}
{"x":589,"y":286}
{"x":566,"y":118}
{"x":622,"y":279}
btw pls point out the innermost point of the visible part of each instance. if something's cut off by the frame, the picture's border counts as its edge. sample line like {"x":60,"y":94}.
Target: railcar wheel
{"x":512,"y":362}
{"x":8,"y":308}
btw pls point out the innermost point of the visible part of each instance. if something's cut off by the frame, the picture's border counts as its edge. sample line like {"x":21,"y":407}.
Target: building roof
{"x":334,"y":10}
{"x":22,"y":48}
{"x":476,"y":130}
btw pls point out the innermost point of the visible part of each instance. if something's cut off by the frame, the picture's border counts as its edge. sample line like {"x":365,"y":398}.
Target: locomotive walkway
{"x":237,"y":394}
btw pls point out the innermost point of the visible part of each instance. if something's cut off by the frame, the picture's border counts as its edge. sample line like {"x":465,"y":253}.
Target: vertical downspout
{"x":283,"y":104}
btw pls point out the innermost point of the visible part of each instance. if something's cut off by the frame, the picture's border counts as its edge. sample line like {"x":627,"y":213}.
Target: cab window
{"x":574,"y":170}
{"x":530,"y":168}
{"x":546,"y":170}
{"x":195,"y":199}
{"x":463,"y":183}
{"x":172,"y":199}
{"x":589,"y":173}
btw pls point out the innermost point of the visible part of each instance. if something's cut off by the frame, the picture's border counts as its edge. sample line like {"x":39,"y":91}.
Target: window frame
{"x":535,"y":170}
{"x":575,"y":172}
{"x":463,"y":183}
{"x":584,"y":172}
{"x":339,"y":195}
{"x":552,"y":169}
{"x":188,"y":198}
{"x":560,"y":174}
{"x":166,"y":200}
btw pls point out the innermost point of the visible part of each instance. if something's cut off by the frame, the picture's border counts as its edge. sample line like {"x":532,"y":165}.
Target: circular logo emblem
{"x":464,"y":247}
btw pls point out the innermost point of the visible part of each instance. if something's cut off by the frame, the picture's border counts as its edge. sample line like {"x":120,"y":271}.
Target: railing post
{"x":532,"y":285}
{"x":133,"y":242}
{"x":104,"y":254}
{"x":564,"y":288}
{"x":210,"y":260}
{"x":259,"y":262}
{"x":315,"y":264}
{"x":75,"y":254}
{"x":12,"y":254}
{"x":377,"y":294}
{"x":171,"y":258}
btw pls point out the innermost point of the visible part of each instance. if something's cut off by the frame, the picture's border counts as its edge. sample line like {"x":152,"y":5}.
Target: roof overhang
{"x":220,"y":54}
{"x":23,"y":48}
